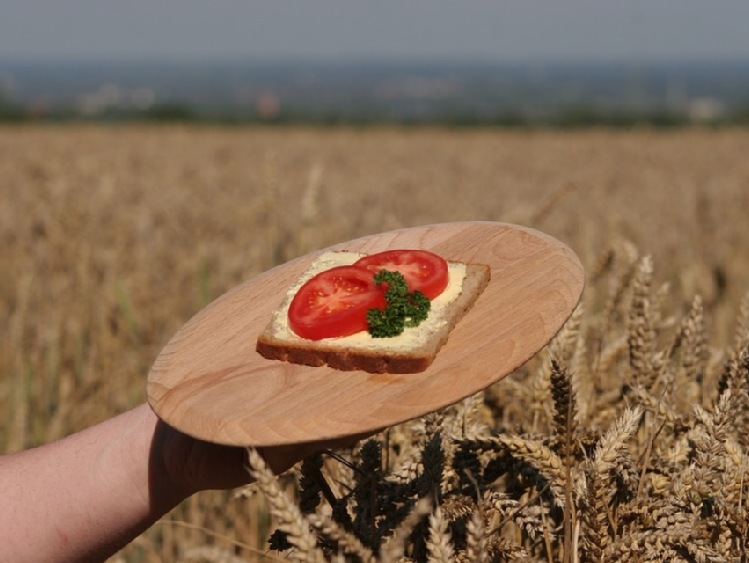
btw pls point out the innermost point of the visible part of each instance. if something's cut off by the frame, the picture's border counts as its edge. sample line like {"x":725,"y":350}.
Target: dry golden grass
{"x":634,"y":427}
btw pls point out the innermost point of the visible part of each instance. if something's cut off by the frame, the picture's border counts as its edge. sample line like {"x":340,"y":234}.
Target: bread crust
{"x":382,"y":359}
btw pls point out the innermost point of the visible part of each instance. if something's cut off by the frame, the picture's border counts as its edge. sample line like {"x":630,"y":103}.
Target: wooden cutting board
{"x":210,"y":382}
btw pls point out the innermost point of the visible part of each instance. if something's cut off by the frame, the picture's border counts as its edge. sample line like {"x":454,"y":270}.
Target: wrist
{"x":145,"y":456}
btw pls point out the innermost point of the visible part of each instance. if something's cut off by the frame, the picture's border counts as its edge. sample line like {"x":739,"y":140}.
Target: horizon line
{"x":373,"y":60}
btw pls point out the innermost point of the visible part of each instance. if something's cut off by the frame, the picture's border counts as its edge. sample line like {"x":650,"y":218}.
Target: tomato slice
{"x":423,"y":270}
{"x":334,"y":303}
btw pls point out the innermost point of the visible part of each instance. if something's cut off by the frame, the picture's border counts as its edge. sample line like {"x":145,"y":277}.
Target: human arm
{"x":86,"y":496}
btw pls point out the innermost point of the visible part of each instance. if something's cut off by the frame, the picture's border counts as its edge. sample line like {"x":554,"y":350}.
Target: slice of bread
{"x":410,"y":352}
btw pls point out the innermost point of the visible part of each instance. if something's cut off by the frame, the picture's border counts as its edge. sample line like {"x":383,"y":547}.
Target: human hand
{"x":85,"y":496}
{"x":191,"y":465}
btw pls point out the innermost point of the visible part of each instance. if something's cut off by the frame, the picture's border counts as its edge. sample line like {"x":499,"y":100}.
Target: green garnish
{"x":404,"y":308}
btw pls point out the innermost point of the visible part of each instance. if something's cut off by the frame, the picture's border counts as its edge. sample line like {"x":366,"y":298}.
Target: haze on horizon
{"x":442,"y":30}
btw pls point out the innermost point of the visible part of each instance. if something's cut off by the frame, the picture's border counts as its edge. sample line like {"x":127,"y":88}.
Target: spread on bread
{"x":324,"y":316}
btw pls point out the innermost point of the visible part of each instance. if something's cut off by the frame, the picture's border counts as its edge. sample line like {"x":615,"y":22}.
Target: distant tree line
{"x":575,"y":116}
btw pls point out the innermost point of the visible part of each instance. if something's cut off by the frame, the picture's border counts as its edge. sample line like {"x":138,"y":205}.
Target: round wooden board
{"x":210,"y":382}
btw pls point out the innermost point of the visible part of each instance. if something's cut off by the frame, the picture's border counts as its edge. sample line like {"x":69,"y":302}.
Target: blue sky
{"x":518,"y":30}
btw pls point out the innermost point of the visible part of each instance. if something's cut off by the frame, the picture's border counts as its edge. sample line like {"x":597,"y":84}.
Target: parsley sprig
{"x":404,"y":308}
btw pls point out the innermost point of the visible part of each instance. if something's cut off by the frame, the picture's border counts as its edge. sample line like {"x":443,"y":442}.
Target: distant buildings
{"x":112,"y":98}
{"x":465,"y":93}
{"x":705,"y":110}
{"x":267,"y":106}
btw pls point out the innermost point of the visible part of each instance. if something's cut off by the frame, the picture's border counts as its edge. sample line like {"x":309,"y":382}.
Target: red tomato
{"x":423,"y":270}
{"x":335,"y":303}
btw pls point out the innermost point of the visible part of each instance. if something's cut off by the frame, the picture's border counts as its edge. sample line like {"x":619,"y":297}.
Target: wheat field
{"x":627,"y":438}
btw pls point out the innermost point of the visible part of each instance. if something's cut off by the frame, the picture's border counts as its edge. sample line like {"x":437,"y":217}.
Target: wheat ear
{"x":476,"y":539}
{"x":439,"y":545}
{"x":394,"y":546}
{"x":549,"y":464}
{"x":290,"y":518}
{"x":346,"y":542}
{"x":641,"y":332}
{"x":600,"y":490}
{"x":741,"y":335}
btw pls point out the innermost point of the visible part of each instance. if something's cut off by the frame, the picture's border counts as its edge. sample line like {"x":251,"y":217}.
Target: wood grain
{"x":209,"y":381}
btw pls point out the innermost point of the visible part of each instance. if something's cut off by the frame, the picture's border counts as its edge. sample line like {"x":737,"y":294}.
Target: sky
{"x":402,"y":30}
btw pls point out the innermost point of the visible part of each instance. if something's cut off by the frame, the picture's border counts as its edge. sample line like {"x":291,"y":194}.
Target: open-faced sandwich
{"x":388,"y":312}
